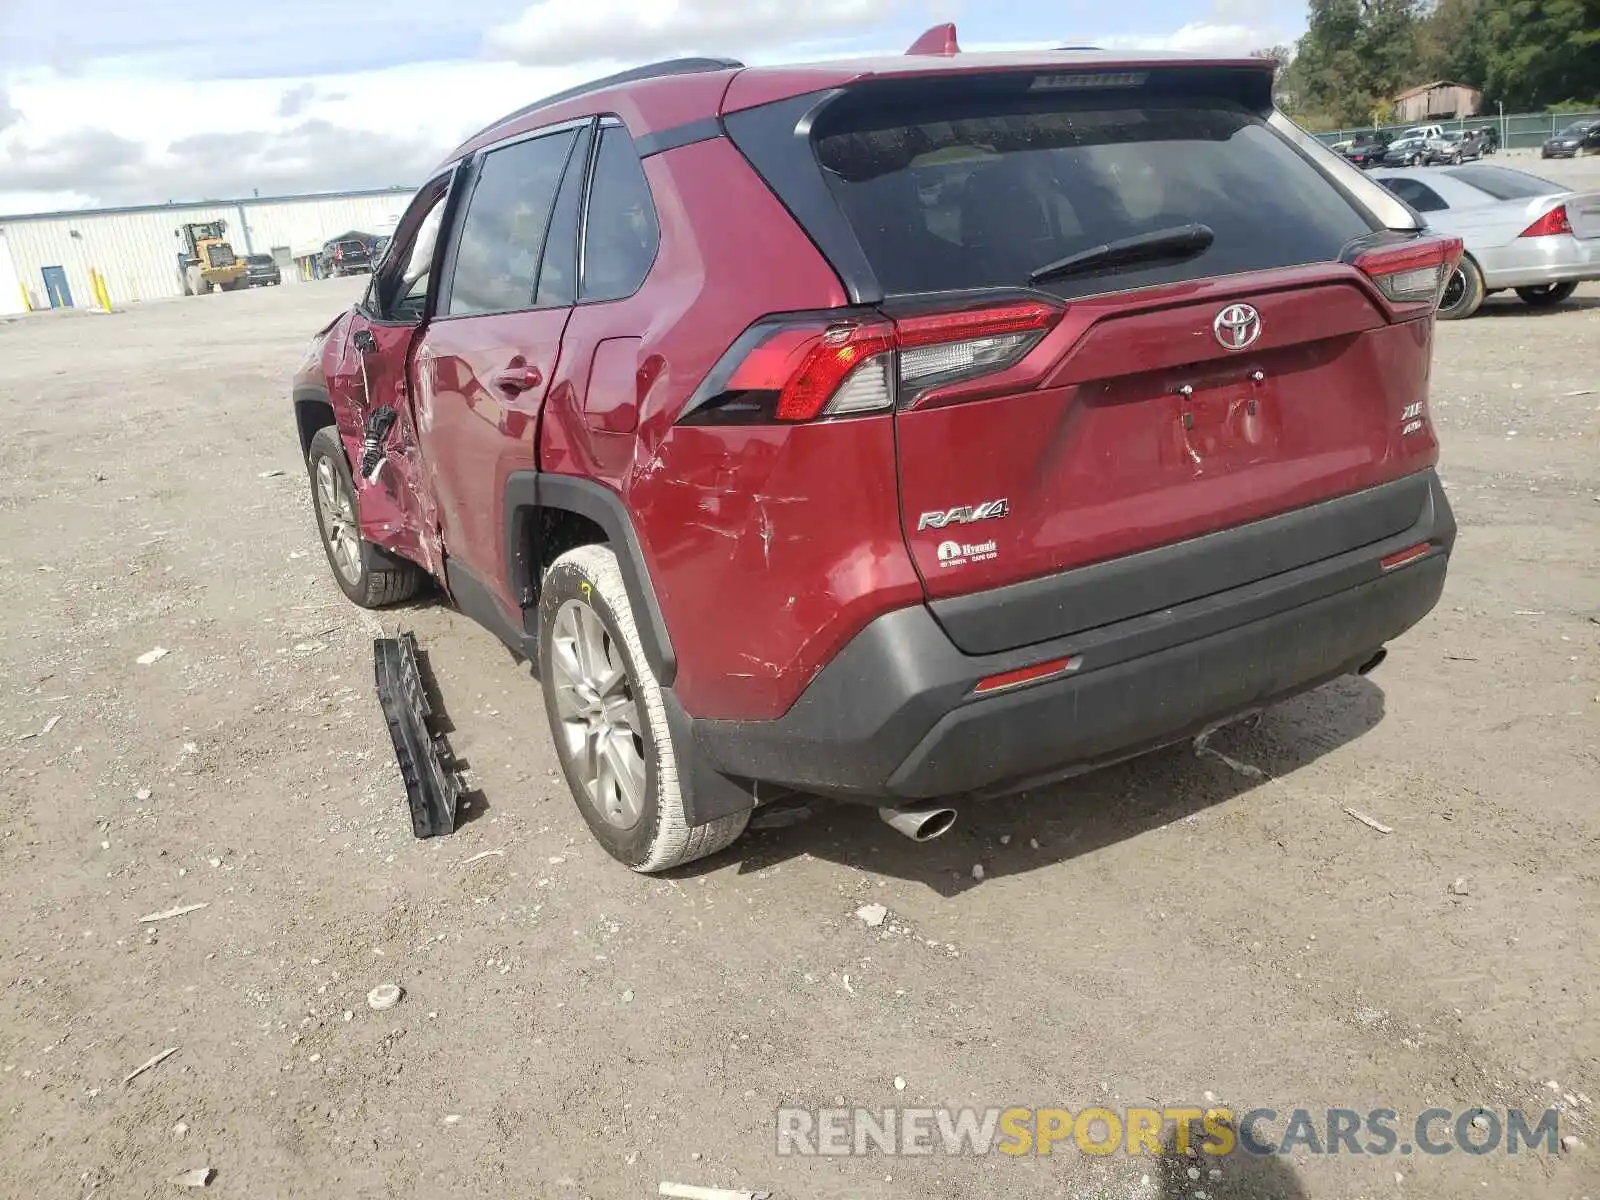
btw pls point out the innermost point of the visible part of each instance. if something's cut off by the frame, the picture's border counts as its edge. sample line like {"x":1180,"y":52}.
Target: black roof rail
{"x":660,"y":70}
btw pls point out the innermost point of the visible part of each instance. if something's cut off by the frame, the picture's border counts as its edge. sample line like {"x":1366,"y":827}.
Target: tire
{"x":587,"y":636}
{"x":1463,"y":295}
{"x":368,"y":575}
{"x":1546,"y":295}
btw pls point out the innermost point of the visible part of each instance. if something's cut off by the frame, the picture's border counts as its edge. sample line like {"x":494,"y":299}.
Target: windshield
{"x":1505,"y":184}
{"x":962,"y":190}
{"x":1576,"y":130}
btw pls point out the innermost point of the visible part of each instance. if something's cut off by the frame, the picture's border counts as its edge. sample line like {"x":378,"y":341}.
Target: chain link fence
{"x":1516,"y":130}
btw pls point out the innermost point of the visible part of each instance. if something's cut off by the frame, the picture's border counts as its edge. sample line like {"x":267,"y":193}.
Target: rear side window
{"x":621,"y":234}
{"x":503,"y":231}
{"x":1505,"y":184}
{"x":969,"y":191}
{"x":1419,"y":195}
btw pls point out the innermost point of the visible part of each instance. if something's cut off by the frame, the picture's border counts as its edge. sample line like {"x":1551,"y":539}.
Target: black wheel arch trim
{"x":527,"y":493}
{"x":307,"y":397}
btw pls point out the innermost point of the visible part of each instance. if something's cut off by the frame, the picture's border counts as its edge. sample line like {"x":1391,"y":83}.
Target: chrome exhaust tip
{"x":919,"y":822}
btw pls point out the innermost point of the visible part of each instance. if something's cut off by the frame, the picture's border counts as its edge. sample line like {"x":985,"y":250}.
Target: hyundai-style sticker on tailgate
{"x":959,"y":554}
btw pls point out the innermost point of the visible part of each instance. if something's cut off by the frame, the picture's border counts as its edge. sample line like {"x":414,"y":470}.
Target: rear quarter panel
{"x":768,"y":546}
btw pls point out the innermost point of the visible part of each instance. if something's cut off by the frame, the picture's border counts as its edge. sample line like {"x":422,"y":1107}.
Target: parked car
{"x":261,"y":270}
{"x":1463,"y":146}
{"x":1368,"y":150}
{"x":1489,"y":138}
{"x":1581,"y":137}
{"x":346,"y":256}
{"x":1520,"y":232}
{"x":786,"y":478}
{"x":1413,"y":152}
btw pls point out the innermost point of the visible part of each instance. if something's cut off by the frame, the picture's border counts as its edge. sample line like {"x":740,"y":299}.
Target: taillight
{"x":1412,"y":275}
{"x":809,"y":366}
{"x":338,"y":253}
{"x":1554,"y":221}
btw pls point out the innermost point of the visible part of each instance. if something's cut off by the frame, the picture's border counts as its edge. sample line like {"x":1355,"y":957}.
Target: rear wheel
{"x":1463,"y":294}
{"x":609,"y":720}
{"x":365,"y":573}
{"x":1546,"y":295}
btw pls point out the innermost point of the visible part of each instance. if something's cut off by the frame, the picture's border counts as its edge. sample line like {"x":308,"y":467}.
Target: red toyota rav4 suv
{"x":894,"y":429}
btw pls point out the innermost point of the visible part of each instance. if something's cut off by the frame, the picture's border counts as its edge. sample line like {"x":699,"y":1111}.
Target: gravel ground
{"x":1148,"y":935}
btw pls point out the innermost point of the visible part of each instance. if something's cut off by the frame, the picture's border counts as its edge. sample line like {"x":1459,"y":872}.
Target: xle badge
{"x":965,"y":515}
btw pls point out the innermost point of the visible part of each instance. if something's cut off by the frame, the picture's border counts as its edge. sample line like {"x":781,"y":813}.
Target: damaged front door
{"x":385,"y":460}
{"x":397,"y":504}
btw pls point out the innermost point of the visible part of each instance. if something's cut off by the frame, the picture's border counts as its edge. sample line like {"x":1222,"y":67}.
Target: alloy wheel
{"x":602,"y":732}
{"x":1454,"y":291}
{"x":337,"y":508}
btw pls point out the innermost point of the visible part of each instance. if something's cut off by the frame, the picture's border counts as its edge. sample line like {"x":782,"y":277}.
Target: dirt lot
{"x":1149,"y":935}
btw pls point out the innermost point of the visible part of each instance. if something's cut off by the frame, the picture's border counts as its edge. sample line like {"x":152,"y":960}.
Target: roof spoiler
{"x":940,"y":40}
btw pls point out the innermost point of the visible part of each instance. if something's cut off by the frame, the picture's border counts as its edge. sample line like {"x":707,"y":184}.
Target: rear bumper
{"x":894,"y":717}
{"x":1531,"y":262}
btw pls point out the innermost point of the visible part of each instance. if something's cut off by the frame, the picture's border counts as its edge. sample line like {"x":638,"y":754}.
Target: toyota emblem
{"x":1237,"y":326}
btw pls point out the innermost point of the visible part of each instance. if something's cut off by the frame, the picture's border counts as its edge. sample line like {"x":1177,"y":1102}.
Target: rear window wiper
{"x":1180,"y":241}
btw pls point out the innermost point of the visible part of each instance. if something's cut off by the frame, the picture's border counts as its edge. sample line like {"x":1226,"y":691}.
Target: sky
{"x":107,"y":102}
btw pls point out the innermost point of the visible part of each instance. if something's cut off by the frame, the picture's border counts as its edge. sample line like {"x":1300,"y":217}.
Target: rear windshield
{"x":1505,"y":184}
{"x":968,"y":190}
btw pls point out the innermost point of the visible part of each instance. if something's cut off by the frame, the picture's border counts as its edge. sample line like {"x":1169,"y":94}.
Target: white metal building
{"x":136,"y":249}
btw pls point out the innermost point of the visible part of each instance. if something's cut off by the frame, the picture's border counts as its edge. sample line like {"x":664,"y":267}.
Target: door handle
{"x":516,"y":380}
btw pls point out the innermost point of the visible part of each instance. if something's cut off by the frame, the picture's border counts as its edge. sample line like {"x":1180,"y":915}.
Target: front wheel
{"x":1546,"y":295}
{"x":609,"y":719}
{"x":1463,"y":293}
{"x":364,"y":572}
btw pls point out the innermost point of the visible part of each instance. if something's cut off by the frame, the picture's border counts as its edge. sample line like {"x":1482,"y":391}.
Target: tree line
{"x":1356,"y":55}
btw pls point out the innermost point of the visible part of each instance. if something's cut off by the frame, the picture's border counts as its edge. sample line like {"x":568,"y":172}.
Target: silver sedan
{"x":1520,"y":231}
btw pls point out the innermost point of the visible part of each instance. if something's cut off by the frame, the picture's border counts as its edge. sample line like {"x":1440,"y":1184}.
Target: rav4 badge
{"x":965,"y":515}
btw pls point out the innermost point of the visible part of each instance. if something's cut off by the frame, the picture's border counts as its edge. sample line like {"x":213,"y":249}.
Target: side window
{"x":621,"y":234}
{"x":399,"y":286}
{"x":558,"y":273}
{"x":1415,"y":193}
{"x":503,"y":231}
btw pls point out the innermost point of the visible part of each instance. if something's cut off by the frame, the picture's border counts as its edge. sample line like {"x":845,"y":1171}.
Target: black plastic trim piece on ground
{"x":433,"y":788}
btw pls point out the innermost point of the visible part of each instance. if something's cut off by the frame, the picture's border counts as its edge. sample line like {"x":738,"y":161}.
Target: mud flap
{"x":433,"y":786}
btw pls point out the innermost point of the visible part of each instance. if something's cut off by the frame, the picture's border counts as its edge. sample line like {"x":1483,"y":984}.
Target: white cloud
{"x":563,"y":31}
{"x":1198,"y":37}
{"x":86,"y":141}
